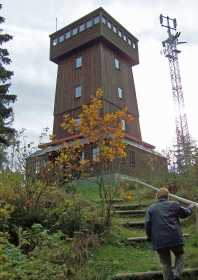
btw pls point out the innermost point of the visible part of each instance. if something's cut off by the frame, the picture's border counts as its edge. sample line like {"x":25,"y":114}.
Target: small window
{"x":104,"y":20}
{"x":61,"y":38}
{"x":78,"y":62}
{"x":68,"y":35}
{"x":89,"y":23}
{"x":123,"y":123}
{"x":132,"y":159}
{"x":129,"y":42}
{"x":97,"y":20}
{"x":55,"y":42}
{"x":114,"y":29}
{"x":120,"y":33}
{"x":117,"y":63}
{"x":82,"y":27}
{"x":77,"y":120}
{"x":125,"y":37}
{"x":75,"y":31}
{"x":82,"y":155}
{"x":95,"y":153}
{"x":109,"y":24}
{"x":78,"y":92}
{"x":120,"y":93}
{"x":134,"y":45}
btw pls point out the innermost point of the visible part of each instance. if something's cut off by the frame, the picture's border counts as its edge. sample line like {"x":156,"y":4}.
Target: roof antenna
{"x":56,"y":23}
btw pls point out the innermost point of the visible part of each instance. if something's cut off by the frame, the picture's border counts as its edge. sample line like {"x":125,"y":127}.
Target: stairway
{"x":132,"y":217}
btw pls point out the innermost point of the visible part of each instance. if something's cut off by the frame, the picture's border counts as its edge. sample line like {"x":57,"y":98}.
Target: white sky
{"x":31,"y":22}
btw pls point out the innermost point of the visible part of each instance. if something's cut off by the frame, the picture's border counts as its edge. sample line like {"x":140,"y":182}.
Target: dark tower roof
{"x":96,"y":26}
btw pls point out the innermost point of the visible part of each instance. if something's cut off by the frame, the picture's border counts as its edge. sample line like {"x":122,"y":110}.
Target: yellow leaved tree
{"x":101,"y":132}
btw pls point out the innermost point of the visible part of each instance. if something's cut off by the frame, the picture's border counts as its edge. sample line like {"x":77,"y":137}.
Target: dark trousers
{"x":165,"y":259}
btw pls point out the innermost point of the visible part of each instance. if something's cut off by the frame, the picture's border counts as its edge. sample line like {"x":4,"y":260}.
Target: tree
{"x":6,"y":111}
{"x":105,"y":134}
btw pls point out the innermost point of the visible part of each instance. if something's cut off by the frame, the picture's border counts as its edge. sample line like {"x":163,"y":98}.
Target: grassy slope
{"x":113,"y":257}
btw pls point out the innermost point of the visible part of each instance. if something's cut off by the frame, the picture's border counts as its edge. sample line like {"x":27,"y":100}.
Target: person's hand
{"x":192,"y":205}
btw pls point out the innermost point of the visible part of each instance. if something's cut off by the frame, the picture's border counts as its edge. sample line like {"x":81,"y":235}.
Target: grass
{"x":88,"y":189}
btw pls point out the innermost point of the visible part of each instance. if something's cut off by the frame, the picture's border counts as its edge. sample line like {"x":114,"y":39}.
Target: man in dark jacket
{"x":163,"y":229}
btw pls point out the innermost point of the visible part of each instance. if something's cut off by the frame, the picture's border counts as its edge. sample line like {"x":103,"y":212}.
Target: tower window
{"x":117,"y":63}
{"x":89,"y":23}
{"x":132,"y":159}
{"x":96,"y":19}
{"x":55,"y":42}
{"x":124,"y":37}
{"x":119,"y":33}
{"x":78,"y":62}
{"x":78,"y":91}
{"x":120,"y":93}
{"x":95,"y":153}
{"x":82,"y":155}
{"x":123,"y":123}
{"x":114,"y":29}
{"x":129,"y":42}
{"x":134,"y":45}
{"x":68,"y":35}
{"x":61,"y":39}
{"x":104,"y":20}
{"x":82,"y":27}
{"x":109,"y":24}
{"x":74,"y":31}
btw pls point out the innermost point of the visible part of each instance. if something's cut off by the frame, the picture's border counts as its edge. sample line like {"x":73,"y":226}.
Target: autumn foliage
{"x":103,"y":130}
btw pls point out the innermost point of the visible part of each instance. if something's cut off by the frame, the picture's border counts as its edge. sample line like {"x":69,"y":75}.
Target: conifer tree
{"x":6,"y":111}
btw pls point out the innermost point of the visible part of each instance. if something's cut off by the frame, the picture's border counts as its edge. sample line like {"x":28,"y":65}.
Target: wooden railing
{"x":181,"y":199}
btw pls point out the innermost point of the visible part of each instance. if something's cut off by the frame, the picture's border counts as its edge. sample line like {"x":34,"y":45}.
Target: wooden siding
{"x":88,"y":76}
{"x":113,"y":78}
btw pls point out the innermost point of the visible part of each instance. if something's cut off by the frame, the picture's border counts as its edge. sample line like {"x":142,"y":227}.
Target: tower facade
{"x":95,"y":52}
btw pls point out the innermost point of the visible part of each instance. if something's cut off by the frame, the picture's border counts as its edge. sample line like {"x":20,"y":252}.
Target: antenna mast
{"x":183,"y":140}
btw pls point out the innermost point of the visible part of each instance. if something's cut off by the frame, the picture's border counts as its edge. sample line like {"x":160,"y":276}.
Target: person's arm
{"x":184,"y":212}
{"x":148,"y":224}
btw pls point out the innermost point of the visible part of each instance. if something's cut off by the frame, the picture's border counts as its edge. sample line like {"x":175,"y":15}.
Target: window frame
{"x":66,"y":34}
{"x":120,"y":93}
{"x":109,"y":25}
{"x":123,"y":124}
{"x":78,"y":94}
{"x":96,"y":20}
{"x":61,"y":38}
{"x":95,"y":153}
{"x":115,"y":29}
{"x":104,"y":20}
{"x":89,"y":22}
{"x":82,"y":27}
{"x":55,"y":42}
{"x":78,"y":59}
{"x":74,"y":31}
{"x":116,"y":63}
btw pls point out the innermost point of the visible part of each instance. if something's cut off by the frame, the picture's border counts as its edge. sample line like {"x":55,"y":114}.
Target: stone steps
{"x":136,"y":224}
{"x":130,"y":212}
{"x":189,"y":274}
{"x":138,"y":210}
{"x":142,"y":239}
{"x":129,"y":206}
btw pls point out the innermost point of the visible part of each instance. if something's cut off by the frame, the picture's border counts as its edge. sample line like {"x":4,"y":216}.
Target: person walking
{"x":163,"y":229}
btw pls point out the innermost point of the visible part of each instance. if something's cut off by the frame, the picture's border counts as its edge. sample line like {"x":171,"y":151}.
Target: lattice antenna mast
{"x":183,"y":153}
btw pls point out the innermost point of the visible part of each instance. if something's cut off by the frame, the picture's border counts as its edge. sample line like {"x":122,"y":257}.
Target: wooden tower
{"x":95,"y":52}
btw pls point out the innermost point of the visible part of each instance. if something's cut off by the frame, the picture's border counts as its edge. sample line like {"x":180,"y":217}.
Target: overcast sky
{"x":31,"y":22}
